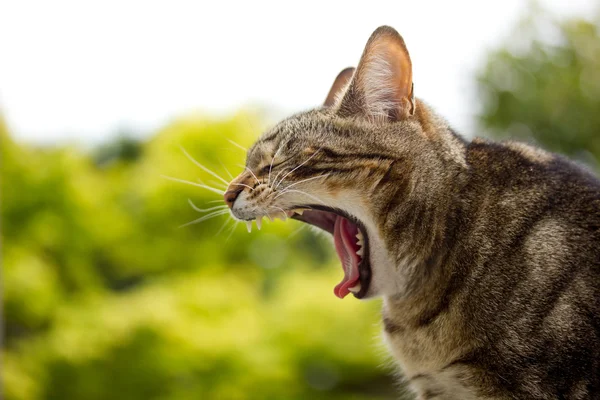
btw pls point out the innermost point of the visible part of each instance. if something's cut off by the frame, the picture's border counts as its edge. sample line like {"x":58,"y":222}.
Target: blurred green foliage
{"x":105,"y":297}
{"x":543,"y":86}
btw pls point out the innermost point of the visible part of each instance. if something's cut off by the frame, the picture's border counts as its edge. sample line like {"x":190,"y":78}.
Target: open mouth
{"x":350,"y":239}
{"x":351,"y":245}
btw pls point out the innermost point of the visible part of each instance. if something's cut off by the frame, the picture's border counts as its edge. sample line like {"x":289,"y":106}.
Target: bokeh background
{"x":104,"y":297}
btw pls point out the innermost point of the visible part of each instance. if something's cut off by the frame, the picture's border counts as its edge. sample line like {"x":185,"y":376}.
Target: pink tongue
{"x":344,"y":236}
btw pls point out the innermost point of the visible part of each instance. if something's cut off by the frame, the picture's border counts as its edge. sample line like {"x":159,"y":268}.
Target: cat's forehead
{"x":302,"y":125}
{"x":290,"y":133}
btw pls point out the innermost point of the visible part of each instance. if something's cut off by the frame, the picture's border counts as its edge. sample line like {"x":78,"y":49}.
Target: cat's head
{"x":365,"y":167}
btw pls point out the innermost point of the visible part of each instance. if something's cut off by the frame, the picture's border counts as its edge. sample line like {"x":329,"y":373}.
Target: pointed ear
{"x":340,"y":82}
{"x":382,"y":87}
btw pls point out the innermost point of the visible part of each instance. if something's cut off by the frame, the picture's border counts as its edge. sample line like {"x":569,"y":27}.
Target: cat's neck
{"x":438,"y":199}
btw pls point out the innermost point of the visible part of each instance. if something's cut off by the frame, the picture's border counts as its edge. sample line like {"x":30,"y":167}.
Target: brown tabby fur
{"x":487,"y":254}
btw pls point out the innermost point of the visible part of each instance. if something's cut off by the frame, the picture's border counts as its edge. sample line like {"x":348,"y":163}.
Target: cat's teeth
{"x":360,"y":236}
{"x":360,"y":239}
{"x":259,"y":222}
{"x":355,"y":288}
{"x":299,"y":211}
{"x":249,"y":226}
{"x":360,"y":252}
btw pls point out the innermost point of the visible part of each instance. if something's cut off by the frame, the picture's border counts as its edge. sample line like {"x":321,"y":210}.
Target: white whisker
{"x":202,"y":167}
{"x":271,"y":166}
{"x":307,"y":160}
{"x":243,"y":184}
{"x":267,"y":213}
{"x":223,"y":226}
{"x":257,"y":181}
{"x":275,"y":179}
{"x":291,"y":235}
{"x":204,"y":218}
{"x":232,"y":230}
{"x":225,"y":168}
{"x":237,"y":145}
{"x":206,"y":209}
{"x":303,"y":180}
{"x":279,"y":208}
{"x":212,"y":189}
{"x":216,"y":183}
{"x":301,"y":192}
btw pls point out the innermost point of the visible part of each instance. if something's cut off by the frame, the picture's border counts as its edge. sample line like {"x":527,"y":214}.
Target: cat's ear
{"x":340,"y":82}
{"x":382,"y":87}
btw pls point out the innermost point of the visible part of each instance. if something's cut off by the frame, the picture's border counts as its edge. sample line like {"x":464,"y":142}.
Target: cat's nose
{"x":232,"y":194}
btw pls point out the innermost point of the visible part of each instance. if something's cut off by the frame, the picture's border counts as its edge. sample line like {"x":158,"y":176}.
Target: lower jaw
{"x":325,"y":220}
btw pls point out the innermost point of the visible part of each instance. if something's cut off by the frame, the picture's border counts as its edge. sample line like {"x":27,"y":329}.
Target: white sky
{"x":80,"y":70}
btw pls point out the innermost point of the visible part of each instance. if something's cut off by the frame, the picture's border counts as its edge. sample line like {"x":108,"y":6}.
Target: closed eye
{"x":265,"y":170}
{"x":269,"y":167}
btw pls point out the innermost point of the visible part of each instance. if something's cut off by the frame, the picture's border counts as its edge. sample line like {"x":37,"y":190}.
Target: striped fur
{"x":487,"y":255}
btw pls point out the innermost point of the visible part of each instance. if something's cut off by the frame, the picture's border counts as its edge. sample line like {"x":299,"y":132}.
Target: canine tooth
{"x":355,"y":288}
{"x":249,"y":226}
{"x":259,"y":222}
{"x":360,"y":252}
{"x":299,"y":211}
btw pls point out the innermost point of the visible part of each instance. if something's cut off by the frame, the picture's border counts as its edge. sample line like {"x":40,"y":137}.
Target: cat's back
{"x":532,"y":283}
{"x":522,"y":182}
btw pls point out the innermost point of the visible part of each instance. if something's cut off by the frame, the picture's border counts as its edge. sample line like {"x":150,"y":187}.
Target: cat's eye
{"x":269,"y":167}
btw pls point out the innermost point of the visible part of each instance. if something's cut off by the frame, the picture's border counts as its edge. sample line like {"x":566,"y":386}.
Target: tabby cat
{"x":487,"y":255}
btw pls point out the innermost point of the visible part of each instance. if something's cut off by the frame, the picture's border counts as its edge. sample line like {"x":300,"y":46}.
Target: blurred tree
{"x":105,"y":298}
{"x":544,"y":85}
{"x":125,"y":148}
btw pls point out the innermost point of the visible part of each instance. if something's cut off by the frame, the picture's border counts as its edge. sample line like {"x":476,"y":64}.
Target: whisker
{"x":291,"y":235}
{"x":223,"y":226}
{"x":275,"y":179}
{"x":305,"y":180}
{"x":216,"y":183}
{"x":301,"y":192}
{"x":243,"y":184}
{"x":214,"y":201}
{"x":267,"y":213}
{"x":206,"y":209}
{"x":307,"y":160}
{"x":225,"y":168}
{"x":232,"y":230}
{"x":202,"y":167}
{"x":237,"y":145}
{"x":277,"y":176}
{"x":273,"y":159}
{"x":204,"y":218}
{"x":212,"y":189}
{"x":279,"y":208}
{"x":257,"y":181}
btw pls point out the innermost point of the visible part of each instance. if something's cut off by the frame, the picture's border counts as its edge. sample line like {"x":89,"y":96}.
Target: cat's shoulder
{"x":510,"y":150}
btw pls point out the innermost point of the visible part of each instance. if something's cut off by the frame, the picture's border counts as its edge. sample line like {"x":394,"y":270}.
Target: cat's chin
{"x":352,"y":246}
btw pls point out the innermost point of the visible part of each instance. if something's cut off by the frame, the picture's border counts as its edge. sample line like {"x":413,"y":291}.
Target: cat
{"x":487,"y":255}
